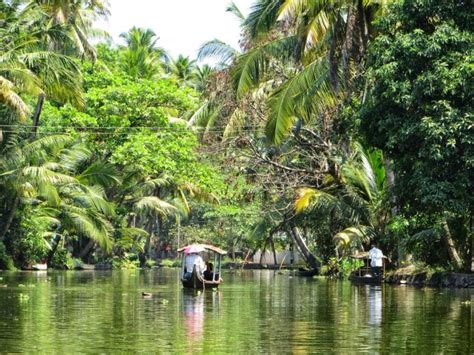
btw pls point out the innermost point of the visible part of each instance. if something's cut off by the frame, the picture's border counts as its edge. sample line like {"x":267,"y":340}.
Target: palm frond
{"x":235,"y":124}
{"x":205,"y":115}
{"x":233,"y":9}
{"x":41,"y":175}
{"x":154,"y":205}
{"x":263,"y":16}
{"x":93,"y":197}
{"x":308,"y":198}
{"x":12,"y":100}
{"x":354,"y":236}
{"x":47,"y":143}
{"x":50,"y":194}
{"x":219,"y":50}
{"x":100,"y":173}
{"x":307,"y":92}
{"x":89,"y":224}
{"x":251,"y":66}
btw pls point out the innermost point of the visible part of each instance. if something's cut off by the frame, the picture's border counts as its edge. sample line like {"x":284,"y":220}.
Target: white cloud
{"x":181,"y":25}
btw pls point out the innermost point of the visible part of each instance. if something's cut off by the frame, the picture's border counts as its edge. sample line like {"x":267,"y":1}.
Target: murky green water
{"x":253,"y":311}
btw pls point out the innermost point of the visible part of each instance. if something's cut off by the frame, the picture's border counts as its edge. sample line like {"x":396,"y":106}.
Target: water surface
{"x":253,"y":311}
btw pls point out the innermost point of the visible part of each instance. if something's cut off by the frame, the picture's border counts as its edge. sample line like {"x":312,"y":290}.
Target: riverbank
{"x":426,"y":278}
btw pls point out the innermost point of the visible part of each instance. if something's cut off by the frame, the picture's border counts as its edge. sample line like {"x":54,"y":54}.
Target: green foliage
{"x":341,"y":267}
{"x":62,"y":259}
{"x":419,"y":111}
{"x":6,"y":261}
{"x":419,"y":108}
{"x":170,"y":263}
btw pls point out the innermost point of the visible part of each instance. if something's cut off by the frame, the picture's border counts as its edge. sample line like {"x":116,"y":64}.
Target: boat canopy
{"x":201,"y":247}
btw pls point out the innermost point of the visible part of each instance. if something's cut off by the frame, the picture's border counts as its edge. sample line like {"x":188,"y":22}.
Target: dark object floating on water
{"x":307,"y":273}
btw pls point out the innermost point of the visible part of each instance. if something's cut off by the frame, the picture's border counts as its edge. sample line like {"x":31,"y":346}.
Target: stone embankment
{"x":437,"y":279}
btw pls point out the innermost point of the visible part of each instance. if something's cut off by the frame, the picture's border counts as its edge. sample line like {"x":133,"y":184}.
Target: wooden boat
{"x":196,"y":279}
{"x":356,"y":277}
{"x":364,"y":275}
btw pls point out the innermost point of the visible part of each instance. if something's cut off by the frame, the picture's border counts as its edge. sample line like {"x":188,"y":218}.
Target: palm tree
{"x":324,"y":40}
{"x":141,"y":57}
{"x":357,"y":199}
{"x":26,"y":67}
{"x":50,"y":176}
{"x":75,"y":16}
{"x":202,"y":76}
{"x":183,"y":69}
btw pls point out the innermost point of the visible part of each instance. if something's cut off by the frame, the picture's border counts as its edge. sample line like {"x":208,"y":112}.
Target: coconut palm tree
{"x":74,"y":16}
{"x":57,"y":180}
{"x":27,"y":67}
{"x":142,"y":58}
{"x":183,"y":69}
{"x":324,"y":41}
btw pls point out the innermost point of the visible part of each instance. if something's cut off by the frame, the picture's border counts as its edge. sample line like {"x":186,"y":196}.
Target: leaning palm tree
{"x":25,"y":170}
{"x":325,"y":42}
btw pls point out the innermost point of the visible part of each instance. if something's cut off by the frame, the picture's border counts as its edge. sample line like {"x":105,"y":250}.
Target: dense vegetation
{"x":336,"y":124}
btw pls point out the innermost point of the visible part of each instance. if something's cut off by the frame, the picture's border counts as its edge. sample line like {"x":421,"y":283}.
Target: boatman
{"x":376,"y":260}
{"x":194,"y":260}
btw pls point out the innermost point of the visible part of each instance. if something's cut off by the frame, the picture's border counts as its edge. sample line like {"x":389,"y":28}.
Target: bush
{"x":62,"y":259}
{"x":171,"y":262}
{"x":6,"y":262}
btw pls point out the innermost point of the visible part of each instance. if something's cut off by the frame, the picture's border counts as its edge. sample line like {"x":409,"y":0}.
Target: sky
{"x":181,"y":25}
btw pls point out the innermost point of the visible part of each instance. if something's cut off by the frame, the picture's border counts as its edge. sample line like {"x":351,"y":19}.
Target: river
{"x":253,"y":311}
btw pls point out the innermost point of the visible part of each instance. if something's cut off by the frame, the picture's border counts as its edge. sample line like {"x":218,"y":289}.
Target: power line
{"x":170,"y":129}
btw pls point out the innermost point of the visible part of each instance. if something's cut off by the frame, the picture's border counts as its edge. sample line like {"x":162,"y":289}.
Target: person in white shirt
{"x":194,"y":259}
{"x":376,"y":260}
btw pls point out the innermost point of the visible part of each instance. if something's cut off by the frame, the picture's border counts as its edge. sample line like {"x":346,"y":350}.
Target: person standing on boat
{"x":376,"y":260}
{"x":192,"y":260}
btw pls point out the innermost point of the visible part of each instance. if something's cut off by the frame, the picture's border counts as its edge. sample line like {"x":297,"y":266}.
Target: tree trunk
{"x":303,"y":248}
{"x":453,"y":253}
{"x":471,"y":234}
{"x":54,"y":247}
{"x":272,"y":243}
{"x":11,"y":215}
{"x":86,"y":249}
{"x":36,"y":116}
{"x":263,"y":251}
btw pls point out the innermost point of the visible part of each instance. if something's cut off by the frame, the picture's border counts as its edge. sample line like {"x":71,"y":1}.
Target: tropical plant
{"x":420,"y":104}
{"x":357,"y":201}
{"x":141,"y":58}
{"x":183,"y":70}
{"x":27,"y":67}
{"x":76,"y":17}
{"x":326,"y":44}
